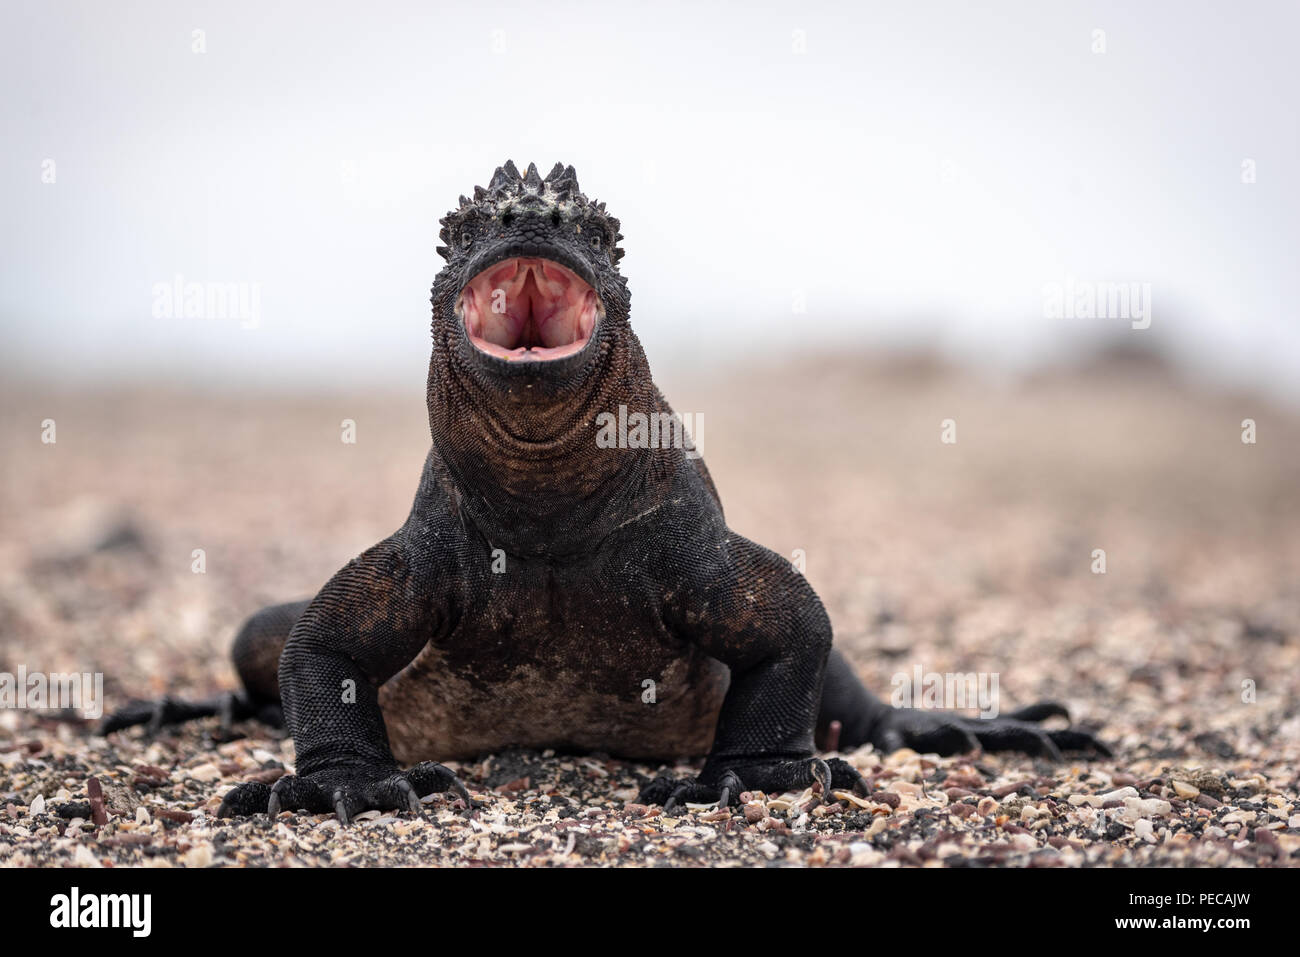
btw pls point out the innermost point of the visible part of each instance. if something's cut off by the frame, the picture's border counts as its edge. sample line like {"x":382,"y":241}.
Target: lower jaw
{"x":527,"y":353}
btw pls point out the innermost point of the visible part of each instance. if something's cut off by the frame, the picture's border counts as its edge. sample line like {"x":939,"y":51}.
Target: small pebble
{"x":206,"y":773}
{"x":1119,"y":794}
{"x":1135,"y":808}
{"x":200,"y":855}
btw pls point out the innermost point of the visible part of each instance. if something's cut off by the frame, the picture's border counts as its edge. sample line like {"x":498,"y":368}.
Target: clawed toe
{"x":430,"y":777}
{"x":346,"y":793}
{"x":691,"y":791}
{"x":408,"y":792}
{"x":167,"y":712}
{"x":244,"y":799}
{"x":1013,"y":734}
{"x":726,"y":785}
{"x":729,"y":786}
{"x":671,"y":793}
{"x":1078,"y":739}
{"x":1040,"y":712}
{"x":946,"y":734}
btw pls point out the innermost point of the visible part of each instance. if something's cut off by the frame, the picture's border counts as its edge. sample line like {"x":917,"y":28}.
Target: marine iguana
{"x":540,"y":579}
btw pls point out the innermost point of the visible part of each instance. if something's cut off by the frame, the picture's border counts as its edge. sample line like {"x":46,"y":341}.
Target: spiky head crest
{"x":510,"y":195}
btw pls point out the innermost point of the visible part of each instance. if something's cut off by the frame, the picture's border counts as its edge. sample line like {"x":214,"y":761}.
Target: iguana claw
{"x":772,"y":777}
{"x":346,"y":792}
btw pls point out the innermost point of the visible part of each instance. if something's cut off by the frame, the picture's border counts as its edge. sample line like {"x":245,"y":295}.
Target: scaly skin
{"x":540,"y":581}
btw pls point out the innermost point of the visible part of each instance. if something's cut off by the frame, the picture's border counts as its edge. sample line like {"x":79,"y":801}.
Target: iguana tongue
{"x":528,"y":308}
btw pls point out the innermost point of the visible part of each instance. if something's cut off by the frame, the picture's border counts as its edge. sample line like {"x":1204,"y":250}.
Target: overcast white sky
{"x":916,"y":175}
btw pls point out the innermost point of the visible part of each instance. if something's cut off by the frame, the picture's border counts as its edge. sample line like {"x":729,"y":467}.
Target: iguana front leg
{"x":747,"y":607}
{"x":366,"y":624}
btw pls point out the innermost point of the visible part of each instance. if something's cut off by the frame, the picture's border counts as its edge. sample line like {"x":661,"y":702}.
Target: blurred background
{"x":847,"y":224}
{"x":813,"y":175}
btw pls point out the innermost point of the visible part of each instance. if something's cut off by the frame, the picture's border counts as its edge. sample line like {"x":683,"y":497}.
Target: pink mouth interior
{"x":528,"y":309}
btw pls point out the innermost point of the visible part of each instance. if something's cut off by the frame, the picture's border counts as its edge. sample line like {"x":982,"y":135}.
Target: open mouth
{"x":528,"y":309}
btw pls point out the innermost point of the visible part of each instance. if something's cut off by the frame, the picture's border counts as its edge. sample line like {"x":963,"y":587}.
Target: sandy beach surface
{"x":970,"y":557}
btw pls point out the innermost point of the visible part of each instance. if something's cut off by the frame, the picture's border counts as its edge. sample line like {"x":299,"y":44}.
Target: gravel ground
{"x":968,"y":557}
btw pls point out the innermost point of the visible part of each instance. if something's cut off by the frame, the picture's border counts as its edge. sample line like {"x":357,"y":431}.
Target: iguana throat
{"x":532,"y":342}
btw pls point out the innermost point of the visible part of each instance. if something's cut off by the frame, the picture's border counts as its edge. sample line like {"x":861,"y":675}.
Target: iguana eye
{"x":466,"y":237}
{"x":595,"y":241}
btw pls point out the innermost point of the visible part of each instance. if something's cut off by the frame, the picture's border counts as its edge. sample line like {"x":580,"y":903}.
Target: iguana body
{"x":541,"y":581}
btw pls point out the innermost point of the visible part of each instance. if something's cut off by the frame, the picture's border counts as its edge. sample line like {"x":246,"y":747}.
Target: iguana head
{"x":531,"y":275}
{"x":531,"y":344}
